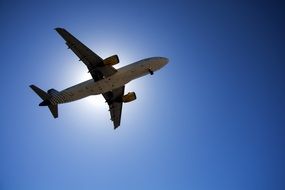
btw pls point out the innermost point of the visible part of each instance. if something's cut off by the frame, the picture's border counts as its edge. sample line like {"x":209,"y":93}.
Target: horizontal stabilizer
{"x":54,"y":110}
{"x":40,"y":92}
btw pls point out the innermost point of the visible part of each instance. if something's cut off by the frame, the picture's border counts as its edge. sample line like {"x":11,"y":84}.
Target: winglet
{"x":116,"y":126}
{"x":61,"y":31}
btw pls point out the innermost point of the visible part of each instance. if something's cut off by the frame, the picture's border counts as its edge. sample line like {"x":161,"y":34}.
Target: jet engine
{"x":112,"y":60}
{"x":131,"y":96}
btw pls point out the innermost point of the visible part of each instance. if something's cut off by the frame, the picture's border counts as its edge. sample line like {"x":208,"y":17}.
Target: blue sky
{"x":213,"y":118}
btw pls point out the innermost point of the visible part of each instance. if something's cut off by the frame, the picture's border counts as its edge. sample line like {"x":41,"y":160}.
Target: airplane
{"x":106,"y":80}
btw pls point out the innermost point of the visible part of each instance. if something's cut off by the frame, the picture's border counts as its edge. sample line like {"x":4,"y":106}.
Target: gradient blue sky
{"x":213,"y":118}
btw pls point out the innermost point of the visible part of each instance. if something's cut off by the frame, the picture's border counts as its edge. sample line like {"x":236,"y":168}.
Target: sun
{"x":95,"y":102}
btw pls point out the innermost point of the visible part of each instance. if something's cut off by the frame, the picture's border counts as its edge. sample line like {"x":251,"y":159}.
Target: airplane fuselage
{"x":120,"y":78}
{"x":106,"y":80}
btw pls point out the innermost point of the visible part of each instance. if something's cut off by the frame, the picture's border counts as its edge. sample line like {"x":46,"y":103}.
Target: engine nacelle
{"x":112,"y":60}
{"x":131,"y":96}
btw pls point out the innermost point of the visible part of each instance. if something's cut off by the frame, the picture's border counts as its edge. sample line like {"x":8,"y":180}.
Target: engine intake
{"x":131,"y":96}
{"x":112,"y":60}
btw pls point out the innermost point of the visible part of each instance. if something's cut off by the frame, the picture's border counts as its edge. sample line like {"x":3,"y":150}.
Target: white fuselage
{"x":120,"y":78}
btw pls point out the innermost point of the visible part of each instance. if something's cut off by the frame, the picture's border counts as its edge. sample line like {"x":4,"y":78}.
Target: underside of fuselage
{"x":106,"y":80}
{"x":120,"y":78}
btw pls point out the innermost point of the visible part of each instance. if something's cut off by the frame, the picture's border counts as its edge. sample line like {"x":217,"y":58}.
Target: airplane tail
{"x":46,"y":100}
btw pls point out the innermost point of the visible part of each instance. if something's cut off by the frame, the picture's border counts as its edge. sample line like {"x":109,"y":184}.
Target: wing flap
{"x":116,"y":112}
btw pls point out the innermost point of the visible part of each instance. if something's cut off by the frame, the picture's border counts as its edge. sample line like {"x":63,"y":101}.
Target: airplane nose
{"x":156,"y":63}
{"x":164,"y":60}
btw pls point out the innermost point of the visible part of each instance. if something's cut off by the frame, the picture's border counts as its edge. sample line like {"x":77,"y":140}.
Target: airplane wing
{"x":98,"y":71}
{"x":93,"y":62}
{"x":115,"y":107}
